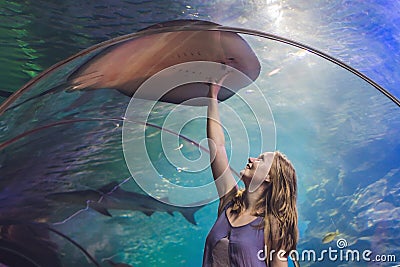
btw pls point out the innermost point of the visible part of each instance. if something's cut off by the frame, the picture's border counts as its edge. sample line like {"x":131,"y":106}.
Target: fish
{"x":275,"y":71}
{"x":125,"y":66}
{"x":125,"y":63}
{"x":330,"y":236}
{"x":179,"y":147}
{"x":111,"y":196}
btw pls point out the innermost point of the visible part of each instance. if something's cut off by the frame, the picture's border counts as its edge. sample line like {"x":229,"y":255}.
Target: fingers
{"x":215,"y":85}
{"x":222,"y":78}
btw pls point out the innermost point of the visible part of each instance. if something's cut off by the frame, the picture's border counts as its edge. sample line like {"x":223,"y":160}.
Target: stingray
{"x":124,"y":66}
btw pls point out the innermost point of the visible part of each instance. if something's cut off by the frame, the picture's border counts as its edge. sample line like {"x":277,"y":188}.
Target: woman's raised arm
{"x":224,"y":180}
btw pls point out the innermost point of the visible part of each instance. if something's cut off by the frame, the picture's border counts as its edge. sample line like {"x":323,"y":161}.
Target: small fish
{"x":311,"y":188}
{"x":333,"y":212}
{"x":318,"y":201}
{"x":180,"y":169}
{"x":275,"y":71}
{"x":179,"y":147}
{"x":330,"y":236}
{"x":300,"y":53}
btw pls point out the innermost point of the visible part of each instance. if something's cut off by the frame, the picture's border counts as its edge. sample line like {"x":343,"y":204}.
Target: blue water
{"x":340,"y":132}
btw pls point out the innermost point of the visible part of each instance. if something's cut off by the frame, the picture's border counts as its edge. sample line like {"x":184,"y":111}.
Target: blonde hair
{"x":278,"y":207}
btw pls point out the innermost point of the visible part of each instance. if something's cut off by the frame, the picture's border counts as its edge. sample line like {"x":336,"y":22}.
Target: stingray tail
{"x":56,"y":89}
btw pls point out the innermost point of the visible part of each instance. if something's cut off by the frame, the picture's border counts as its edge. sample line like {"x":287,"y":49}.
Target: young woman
{"x":256,"y":226}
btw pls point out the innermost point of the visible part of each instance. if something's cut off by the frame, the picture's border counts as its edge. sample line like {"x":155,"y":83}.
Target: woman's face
{"x":256,"y":171}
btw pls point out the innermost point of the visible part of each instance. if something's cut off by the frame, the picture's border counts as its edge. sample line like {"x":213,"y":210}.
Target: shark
{"x":112,"y":197}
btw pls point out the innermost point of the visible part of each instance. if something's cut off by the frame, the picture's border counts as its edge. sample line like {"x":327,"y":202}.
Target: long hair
{"x":278,"y":207}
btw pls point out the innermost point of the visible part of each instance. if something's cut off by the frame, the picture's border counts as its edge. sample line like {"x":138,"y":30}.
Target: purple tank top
{"x":244,"y":242}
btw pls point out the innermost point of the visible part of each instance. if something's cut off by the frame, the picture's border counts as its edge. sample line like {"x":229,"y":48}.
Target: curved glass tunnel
{"x":340,"y":132}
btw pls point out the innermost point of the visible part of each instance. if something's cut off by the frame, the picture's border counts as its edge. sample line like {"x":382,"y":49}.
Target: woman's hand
{"x":216,"y":86}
